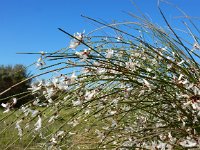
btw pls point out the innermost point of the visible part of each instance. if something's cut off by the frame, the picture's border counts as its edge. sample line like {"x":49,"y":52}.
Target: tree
{"x":10,"y":75}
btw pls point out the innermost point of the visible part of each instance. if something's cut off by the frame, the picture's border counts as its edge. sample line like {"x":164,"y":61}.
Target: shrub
{"x":11,"y":75}
{"x":127,"y":91}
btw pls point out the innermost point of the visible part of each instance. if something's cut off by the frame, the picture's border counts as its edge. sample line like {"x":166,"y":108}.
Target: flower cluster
{"x":78,"y":38}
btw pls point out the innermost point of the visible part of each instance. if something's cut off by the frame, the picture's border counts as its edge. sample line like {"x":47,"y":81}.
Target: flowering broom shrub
{"x":138,"y":89}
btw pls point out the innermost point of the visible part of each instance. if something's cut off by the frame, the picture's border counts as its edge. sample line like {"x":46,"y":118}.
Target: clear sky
{"x":31,"y":25}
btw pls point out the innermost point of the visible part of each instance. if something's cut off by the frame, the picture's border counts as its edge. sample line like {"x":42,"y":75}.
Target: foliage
{"x":127,"y":91}
{"x":11,"y":75}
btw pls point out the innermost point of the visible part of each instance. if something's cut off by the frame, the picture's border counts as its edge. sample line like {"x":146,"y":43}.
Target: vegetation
{"x":11,"y":75}
{"x":123,"y":91}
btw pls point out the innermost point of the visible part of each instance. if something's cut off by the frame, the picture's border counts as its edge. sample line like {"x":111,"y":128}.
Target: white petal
{"x":38,"y":124}
{"x":14,"y":101}
{"x":4,"y":105}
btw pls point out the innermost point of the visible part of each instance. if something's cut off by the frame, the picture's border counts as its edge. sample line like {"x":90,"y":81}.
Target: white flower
{"x":34,"y":87}
{"x":196,"y":46}
{"x":71,"y":133}
{"x":9,"y":105}
{"x":161,"y":145}
{"x":169,"y":147}
{"x":180,"y":77}
{"x":97,"y":64}
{"x":74,"y":43}
{"x":169,"y":66}
{"x":73,"y":123}
{"x":53,"y":140}
{"x":33,"y":112}
{"x":5,"y":105}
{"x":130,"y":65}
{"x":52,"y":118}
{"x":7,"y":110}
{"x":40,"y":62}
{"x":55,"y":81}
{"x":196,"y":90}
{"x":73,"y":77}
{"x":149,"y":69}
{"x":164,"y":48}
{"x":114,"y":123}
{"x":110,"y":53}
{"x":137,"y":54}
{"x":141,"y":92}
{"x":79,"y":36}
{"x":14,"y":101}
{"x":83,"y":55}
{"x":38,"y":124}
{"x":114,"y":102}
{"x":146,"y":83}
{"x":100,"y":134}
{"x":101,"y":70}
{"x":42,"y":52}
{"x":89,"y":94}
{"x":76,"y":103}
{"x":195,"y":106}
{"x":119,"y":38}
{"x":181,"y":62}
{"x":87,"y":111}
{"x":59,"y":133}
{"x":172,"y":139}
{"x":62,"y":86}
{"x":191,"y":85}
{"x":27,"y":126}
{"x":36,"y":102}
{"x":188,"y":143}
{"x":169,"y":58}
{"x":17,"y":126}
{"x":50,"y":91}
{"x":112,"y":112}
{"x":50,"y":100}
{"x":185,"y":82}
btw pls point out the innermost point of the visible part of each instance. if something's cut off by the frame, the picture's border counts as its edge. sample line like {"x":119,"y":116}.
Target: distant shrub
{"x":11,"y":75}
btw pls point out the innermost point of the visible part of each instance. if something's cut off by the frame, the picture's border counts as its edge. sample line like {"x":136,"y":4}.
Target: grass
{"x":10,"y":140}
{"x":9,"y":133}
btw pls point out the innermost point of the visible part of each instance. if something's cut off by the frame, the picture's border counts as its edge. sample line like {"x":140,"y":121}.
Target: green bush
{"x":11,"y":75}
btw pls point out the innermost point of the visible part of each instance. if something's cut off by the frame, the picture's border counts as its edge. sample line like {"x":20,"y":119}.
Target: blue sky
{"x":31,"y":25}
